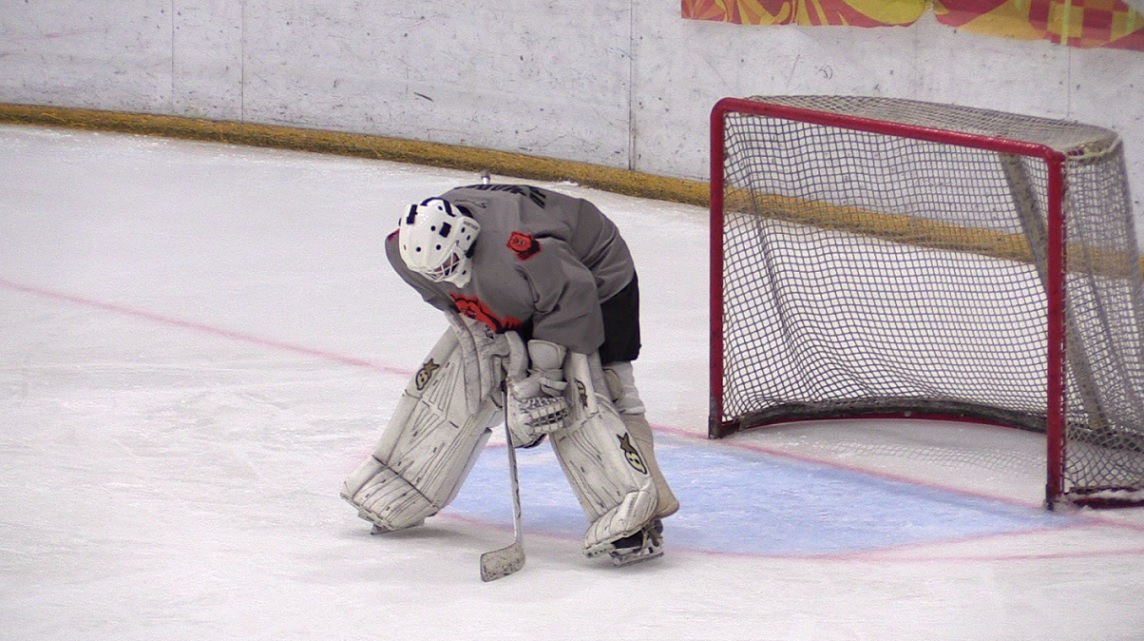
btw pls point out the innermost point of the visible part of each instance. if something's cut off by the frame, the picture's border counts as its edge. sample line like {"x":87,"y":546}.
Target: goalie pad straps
{"x":434,"y":436}
{"x":602,"y":462}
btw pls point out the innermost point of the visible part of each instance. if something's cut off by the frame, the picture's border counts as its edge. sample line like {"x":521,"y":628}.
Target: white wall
{"x":623,"y":83}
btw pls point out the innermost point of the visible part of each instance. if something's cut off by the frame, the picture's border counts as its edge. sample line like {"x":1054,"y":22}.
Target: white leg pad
{"x":434,"y":436}
{"x":640,"y":430}
{"x":620,"y":378}
{"x":601,"y":460}
{"x":385,"y":499}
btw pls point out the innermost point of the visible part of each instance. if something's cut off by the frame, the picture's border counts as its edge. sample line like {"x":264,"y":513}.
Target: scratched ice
{"x":199,"y":342}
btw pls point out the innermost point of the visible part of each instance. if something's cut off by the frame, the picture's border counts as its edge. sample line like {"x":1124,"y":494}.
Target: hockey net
{"x":878,"y":257}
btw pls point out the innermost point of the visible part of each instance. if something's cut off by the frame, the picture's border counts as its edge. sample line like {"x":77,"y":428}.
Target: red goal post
{"x":877,"y":257}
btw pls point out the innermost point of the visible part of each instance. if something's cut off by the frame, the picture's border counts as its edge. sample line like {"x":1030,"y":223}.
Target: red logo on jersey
{"x":476,"y":309}
{"x":523,"y":244}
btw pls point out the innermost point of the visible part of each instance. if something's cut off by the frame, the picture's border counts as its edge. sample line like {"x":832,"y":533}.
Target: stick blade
{"x":498,"y":564}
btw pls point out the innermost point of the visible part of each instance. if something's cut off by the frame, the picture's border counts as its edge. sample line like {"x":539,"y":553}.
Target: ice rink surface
{"x":198,"y":342}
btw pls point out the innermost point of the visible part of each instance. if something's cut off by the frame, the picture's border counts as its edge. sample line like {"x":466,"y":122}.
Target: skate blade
{"x":619,"y":559}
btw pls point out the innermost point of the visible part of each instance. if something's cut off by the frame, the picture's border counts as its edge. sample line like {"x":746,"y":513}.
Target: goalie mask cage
{"x":875,"y":257}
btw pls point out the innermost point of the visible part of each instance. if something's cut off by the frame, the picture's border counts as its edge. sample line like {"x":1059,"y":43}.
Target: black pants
{"x":622,"y":324}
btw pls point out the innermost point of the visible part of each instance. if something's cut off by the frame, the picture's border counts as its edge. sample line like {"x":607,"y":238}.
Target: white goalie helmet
{"x":435,"y":239}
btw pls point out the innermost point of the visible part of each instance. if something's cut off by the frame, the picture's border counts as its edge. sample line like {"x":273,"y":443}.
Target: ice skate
{"x":645,"y":545}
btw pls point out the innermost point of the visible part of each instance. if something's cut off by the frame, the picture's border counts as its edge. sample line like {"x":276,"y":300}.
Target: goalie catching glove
{"x":536,"y":403}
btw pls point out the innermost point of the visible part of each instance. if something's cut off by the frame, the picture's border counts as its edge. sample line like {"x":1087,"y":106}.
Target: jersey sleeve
{"x":567,"y":307}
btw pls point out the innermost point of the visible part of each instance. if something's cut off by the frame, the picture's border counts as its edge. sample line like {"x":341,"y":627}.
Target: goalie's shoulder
{"x":483,"y":193}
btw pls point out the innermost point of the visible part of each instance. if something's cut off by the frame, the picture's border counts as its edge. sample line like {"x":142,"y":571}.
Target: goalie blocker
{"x":445,"y":417}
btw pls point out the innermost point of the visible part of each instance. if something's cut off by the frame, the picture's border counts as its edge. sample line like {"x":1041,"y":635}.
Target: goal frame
{"x":1055,"y":161}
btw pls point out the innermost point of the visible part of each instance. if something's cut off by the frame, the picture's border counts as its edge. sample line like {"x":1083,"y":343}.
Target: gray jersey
{"x":541,"y":258}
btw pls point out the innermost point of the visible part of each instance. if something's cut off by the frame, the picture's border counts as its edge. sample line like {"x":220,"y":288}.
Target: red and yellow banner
{"x":855,"y":13}
{"x":1076,"y":23}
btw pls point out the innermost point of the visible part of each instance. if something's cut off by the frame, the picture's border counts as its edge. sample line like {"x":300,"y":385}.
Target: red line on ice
{"x":203,"y":328}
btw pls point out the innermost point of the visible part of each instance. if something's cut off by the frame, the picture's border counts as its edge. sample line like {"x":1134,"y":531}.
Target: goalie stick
{"x":498,"y":564}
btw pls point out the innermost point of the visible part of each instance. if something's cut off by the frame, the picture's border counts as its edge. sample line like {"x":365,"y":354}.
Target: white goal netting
{"x":890,"y":257}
